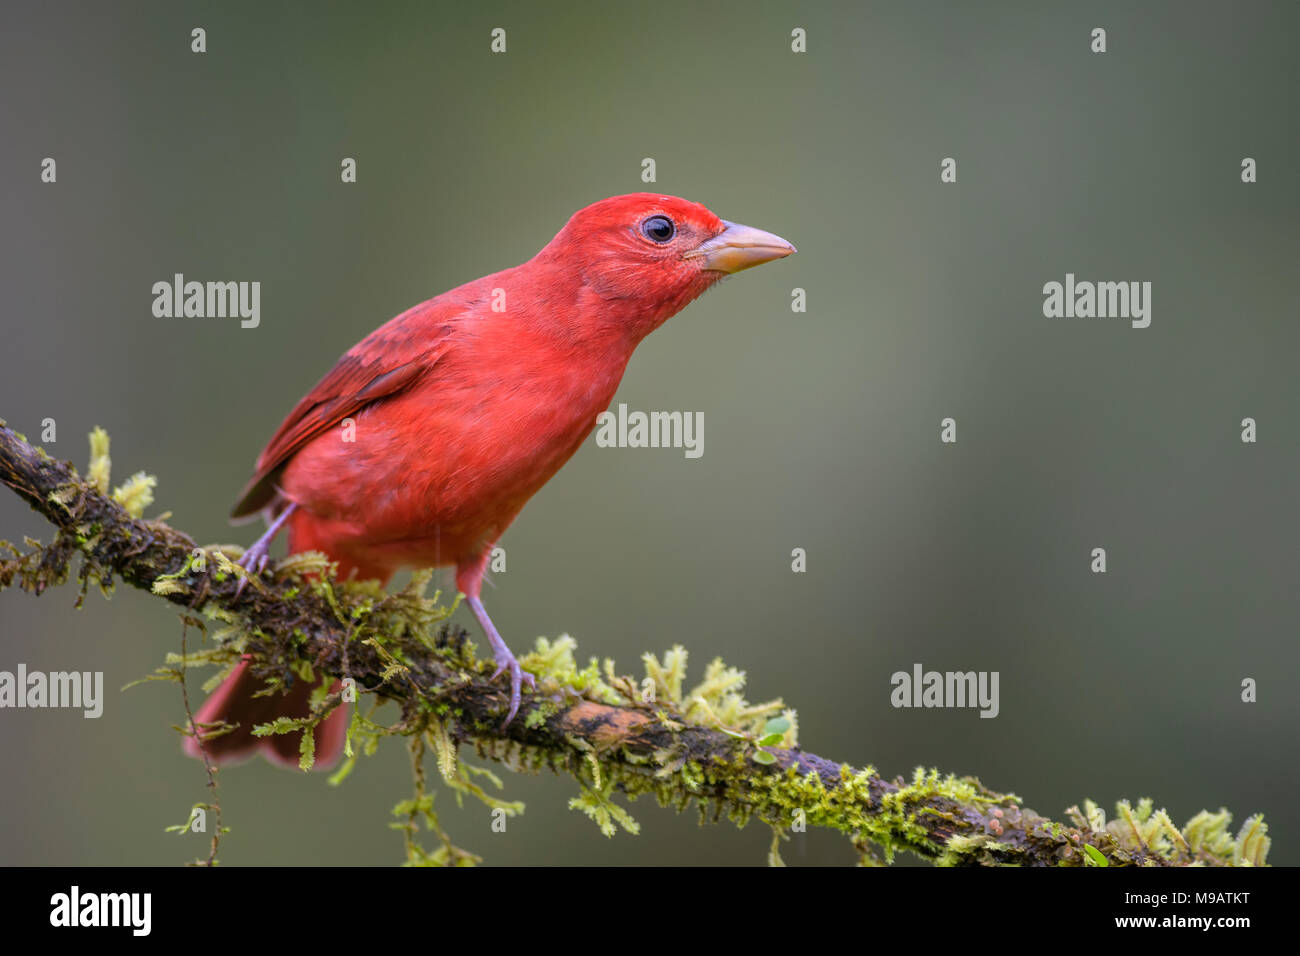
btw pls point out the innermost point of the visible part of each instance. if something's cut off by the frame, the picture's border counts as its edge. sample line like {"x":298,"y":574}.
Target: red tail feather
{"x":234,"y":703}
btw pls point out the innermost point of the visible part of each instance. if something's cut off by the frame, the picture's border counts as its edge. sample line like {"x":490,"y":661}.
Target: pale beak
{"x":739,"y":247}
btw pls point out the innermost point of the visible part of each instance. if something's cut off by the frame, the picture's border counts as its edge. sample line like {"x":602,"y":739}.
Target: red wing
{"x":382,"y":364}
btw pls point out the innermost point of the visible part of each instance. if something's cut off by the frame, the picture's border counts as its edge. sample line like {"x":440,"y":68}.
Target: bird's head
{"x":649,"y":255}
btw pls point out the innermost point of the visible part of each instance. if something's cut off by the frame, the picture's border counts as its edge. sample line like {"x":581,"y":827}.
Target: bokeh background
{"x":821,"y":429}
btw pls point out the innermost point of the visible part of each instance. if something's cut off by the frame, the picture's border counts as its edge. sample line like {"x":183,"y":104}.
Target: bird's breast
{"x":441,"y":468}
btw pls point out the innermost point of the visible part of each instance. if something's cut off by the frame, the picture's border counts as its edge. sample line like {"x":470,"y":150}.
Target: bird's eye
{"x":658,"y":229}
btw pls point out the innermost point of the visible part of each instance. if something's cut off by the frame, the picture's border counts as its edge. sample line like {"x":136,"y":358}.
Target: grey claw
{"x":254,"y":562}
{"x":504,"y":658}
{"x":255,"y":559}
{"x":517,"y":677}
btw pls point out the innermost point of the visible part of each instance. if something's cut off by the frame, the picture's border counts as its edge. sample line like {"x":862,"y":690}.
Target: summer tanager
{"x":423,"y":443}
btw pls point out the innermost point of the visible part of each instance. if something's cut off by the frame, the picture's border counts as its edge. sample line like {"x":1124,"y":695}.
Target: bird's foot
{"x":518,"y":677}
{"x":506,"y":661}
{"x":254,"y":559}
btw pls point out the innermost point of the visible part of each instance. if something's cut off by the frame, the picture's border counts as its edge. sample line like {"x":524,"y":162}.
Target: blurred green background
{"x":821,"y":429}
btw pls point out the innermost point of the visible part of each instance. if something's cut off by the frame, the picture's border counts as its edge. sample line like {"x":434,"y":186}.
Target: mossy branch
{"x":612,"y":733}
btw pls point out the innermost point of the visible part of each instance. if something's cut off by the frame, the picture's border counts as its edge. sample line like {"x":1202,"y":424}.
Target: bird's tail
{"x":235,"y":704}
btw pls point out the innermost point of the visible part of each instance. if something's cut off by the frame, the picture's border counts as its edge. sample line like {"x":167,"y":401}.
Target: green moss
{"x":708,"y":746}
{"x":537,"y":716}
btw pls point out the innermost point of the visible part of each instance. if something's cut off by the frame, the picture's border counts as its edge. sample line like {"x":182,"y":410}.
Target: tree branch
{"x":598,"y":730}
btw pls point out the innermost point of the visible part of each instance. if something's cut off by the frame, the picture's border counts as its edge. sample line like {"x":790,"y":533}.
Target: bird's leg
{"x":505,"y":660}
{"x":254,"y":559}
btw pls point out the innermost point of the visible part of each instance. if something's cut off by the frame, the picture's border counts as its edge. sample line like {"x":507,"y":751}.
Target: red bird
{"x":423,"y":443}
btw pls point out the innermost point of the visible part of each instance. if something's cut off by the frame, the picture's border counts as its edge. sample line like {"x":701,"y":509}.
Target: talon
{"x":505,"y":660}
{"x":253,"y":564}
{"x":517,"y":674}
{"x":254,"y":560}
{"x":518,"y":677}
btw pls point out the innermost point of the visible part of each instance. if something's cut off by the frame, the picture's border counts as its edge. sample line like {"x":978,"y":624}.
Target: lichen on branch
{"x":620,"y":737}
